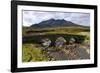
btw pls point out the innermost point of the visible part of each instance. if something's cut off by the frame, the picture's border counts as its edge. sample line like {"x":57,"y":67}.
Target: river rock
{"x":46,"y":42}
{"x":72,"y":40}
{"x":60,"y":42}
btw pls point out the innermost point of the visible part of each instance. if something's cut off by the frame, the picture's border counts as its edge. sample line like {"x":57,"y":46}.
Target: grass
{"x":34,"y":35}
{"x":87,"y":38}
{"x":31,"y":53}
{"x":57,"y":30}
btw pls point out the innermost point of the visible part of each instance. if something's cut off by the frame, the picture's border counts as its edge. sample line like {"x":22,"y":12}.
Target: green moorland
{"x":31,"y":51}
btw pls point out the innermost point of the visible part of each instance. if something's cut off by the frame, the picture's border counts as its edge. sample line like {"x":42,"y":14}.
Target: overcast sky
{"x":34,"y":17}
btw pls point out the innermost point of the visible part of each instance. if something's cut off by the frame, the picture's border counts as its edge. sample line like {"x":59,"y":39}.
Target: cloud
{"x":34,"y":17}
{"x":80,"y":18}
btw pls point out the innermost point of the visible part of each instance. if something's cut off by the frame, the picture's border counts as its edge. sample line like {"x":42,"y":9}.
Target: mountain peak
{"x":54,"y":23}
{"x":57,"y":19}
{"x":52,"y":19}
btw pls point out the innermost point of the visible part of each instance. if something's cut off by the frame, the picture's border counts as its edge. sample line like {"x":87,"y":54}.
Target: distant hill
{"x":55,"y":23}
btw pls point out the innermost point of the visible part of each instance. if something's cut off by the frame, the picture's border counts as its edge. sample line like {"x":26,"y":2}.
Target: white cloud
{"x":33,"y":17}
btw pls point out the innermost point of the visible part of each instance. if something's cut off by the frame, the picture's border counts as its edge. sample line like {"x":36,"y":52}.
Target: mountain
{"x":55,"y":23}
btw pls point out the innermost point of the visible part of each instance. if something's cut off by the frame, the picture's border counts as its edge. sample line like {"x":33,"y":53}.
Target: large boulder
{"x":71,"y":44}
{"x":72,"y":40}
{"x":46,"y":42}
{"x":60,"y":42}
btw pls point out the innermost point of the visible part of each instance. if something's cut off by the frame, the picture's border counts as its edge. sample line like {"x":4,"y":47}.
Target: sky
{"x":35,"y":17}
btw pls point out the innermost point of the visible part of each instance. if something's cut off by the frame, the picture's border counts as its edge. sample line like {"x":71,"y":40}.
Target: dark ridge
{"x":55,"y":23}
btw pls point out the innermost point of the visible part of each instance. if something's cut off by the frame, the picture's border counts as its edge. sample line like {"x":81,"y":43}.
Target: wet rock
{"x":46,"y":42}
{"x":72,"y":40}
{"x":60,"y":42}
{"x":71,"y":44}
